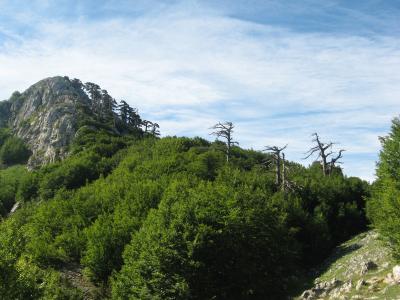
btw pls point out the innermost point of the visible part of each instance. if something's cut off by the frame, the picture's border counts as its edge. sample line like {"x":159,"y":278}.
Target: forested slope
{"x":124,"y":214}
{"x":169,"y":218}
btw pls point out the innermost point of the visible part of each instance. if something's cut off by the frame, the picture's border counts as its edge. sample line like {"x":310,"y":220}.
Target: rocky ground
{"x":361,"y":268}
{"x":74,"y":275}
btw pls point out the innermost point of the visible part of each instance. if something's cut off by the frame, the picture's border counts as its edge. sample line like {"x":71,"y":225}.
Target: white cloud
{"x":189,"y":69}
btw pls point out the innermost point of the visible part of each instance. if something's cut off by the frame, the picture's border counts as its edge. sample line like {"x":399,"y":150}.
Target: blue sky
{"x":280,"y":70}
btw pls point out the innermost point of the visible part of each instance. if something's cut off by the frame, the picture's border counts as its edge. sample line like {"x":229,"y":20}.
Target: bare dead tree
{"x":324,"y":151}
{"x":225,"y":130}
{"x":277,"y":155}
{"x":284,"y":177}
{"x":320,"y":148}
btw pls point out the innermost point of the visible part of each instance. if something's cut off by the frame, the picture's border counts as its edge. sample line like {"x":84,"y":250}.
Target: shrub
{"x":14,"y":151}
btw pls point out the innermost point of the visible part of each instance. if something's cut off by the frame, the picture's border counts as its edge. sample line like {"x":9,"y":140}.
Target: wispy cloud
{"x":190,"y":65}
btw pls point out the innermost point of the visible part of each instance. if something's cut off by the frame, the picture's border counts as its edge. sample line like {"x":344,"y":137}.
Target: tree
{"x":77,"y":84}
{"x":108,"y":105}
{"x":278,"y":157}
{"x":383,"y":207}
{"x":212,"y":241}
{"x":134,"y":118}
{"x":106,"y":102}
{"x":147,"y":125}
{"x":155,"y":129}
{"x":95,"y":96}
{"x":124,"y":111}
{"x":225,"y":130}
{"x":322,"y":150}
{"x":14,"y":151}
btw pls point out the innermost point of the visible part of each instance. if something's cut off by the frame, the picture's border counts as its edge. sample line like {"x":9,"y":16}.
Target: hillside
{"x":126,"y":214}
{"x":361,"y":268}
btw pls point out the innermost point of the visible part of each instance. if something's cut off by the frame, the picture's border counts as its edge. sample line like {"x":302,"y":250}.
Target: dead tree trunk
{"x":284,"y":179}
{"x":321,"y":149}
{"x":323,"y":154}
{"x":276,"y":152}
{"x":225,"y":131}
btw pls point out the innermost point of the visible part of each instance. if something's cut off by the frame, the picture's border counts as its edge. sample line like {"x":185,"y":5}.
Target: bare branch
{"x":323,"y":154}
{"x":339,"y":156}
{"x":225,"y":131}
{"x":311,"y":152}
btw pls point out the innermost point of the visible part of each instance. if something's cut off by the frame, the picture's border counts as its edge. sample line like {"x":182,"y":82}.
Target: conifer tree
{"x":147,"y":125}
{"x":124,"y":111}
{"x":76,"y":83}
{"x":94,"y":92}
{"x":134,"y":118}
{"x":108,"y":106}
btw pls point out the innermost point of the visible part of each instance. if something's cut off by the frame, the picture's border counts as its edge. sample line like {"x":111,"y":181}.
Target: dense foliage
{"x":150,"y":218}
{"x":10,"y":180}
{"x":14,"y":151}
{"x":384,"y":206}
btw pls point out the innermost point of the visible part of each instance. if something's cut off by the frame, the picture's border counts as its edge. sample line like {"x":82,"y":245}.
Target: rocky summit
{"x":45,"y":117}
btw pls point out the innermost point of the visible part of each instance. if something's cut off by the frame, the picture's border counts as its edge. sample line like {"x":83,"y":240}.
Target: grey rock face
{"x":45,"y":116}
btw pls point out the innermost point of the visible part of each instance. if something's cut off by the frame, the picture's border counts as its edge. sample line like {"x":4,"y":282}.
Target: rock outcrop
{"x":361,"y":268}
{"x":45,"y":116}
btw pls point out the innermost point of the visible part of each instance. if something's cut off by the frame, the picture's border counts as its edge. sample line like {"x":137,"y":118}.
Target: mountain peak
{"x":45,"y":117}
{"x":48,"y":115}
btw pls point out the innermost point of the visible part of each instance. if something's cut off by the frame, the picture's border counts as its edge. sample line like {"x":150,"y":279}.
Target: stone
{"x":367,"y":266}
{"x":360,"y":284}
{"x":346,"y":287}
{"x":396,"y":273}
{"x":374,"y":280}
{"x":308,"y":294}
{"x":334,"y":283}
{"x":373,"y":288}
{"x":389,"y":279}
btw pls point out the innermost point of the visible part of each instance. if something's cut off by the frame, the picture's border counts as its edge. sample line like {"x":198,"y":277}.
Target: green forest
{"x":144,"y":217}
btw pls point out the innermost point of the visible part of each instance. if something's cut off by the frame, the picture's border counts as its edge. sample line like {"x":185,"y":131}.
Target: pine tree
{"x":147,"y":125}
{"x":134,"y":118}
{"x":77,"y":84}
{"x":383,"y":207}
{"x":124,"y":111}
{"x":94,"y":92}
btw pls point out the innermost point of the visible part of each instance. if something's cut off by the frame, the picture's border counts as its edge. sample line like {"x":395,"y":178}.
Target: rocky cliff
{"x":45,"y":116}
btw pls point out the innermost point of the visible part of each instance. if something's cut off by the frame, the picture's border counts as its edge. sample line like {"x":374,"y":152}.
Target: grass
{"x":346,"y":261}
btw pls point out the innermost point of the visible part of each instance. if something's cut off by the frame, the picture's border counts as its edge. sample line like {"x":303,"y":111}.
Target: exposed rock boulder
{"x":367,"y":266}
{"x":321,"y":289}
{"x":360,"y":284}
{"x":396,"y":273}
